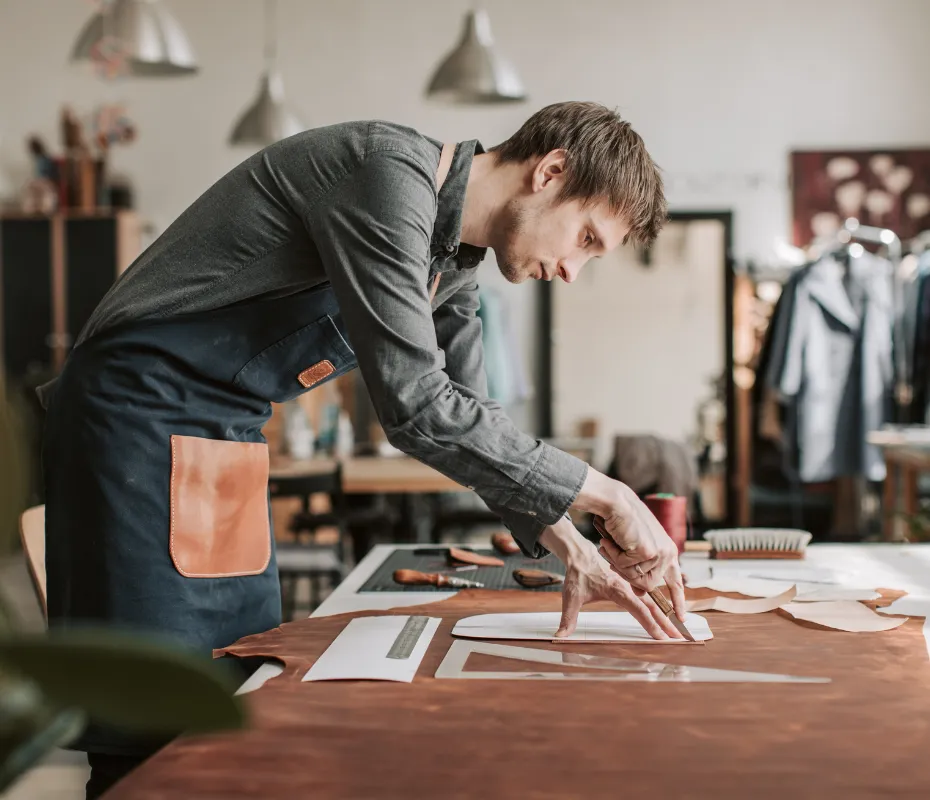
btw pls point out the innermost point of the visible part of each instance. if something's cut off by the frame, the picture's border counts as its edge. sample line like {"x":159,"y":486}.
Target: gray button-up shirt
{"x":356,"y":205}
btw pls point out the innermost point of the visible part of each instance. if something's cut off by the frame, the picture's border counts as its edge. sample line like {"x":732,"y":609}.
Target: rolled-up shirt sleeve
{"x":372,"y":231}
{"x":459,"y":332}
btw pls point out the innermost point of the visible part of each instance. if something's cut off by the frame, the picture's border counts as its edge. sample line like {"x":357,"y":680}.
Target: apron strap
{"x":445,"y":164}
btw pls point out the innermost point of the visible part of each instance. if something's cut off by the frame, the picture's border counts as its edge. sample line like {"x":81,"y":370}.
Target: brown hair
{"x":606,"y":159}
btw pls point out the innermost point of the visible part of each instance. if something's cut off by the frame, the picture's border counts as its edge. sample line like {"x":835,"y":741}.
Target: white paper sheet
{"x":834,"y":593}
{"x":842,"y":616}
{"x":360,"y":651}
{"x":798,"y":573}
{"x":913,"y":607}
{"x":739,"y":583}
{"x":909,"y":605}
{"x":593,"y":626}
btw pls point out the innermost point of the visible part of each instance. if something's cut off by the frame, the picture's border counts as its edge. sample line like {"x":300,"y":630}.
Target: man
{"x":352,"y":244}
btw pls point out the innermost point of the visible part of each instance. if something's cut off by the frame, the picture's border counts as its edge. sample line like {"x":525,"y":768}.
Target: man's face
{"x":544,"y":238}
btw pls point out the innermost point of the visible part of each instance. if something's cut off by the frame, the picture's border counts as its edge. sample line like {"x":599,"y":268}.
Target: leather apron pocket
{"x":219,"y":507}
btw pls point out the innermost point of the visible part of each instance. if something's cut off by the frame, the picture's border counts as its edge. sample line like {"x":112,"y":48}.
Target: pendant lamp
{"x":268,"y":119}
{"x":138,"y":38}
{"x":474,"y":73}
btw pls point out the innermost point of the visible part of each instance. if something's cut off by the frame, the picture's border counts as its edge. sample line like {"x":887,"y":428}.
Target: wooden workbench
{"x":866,"y":734}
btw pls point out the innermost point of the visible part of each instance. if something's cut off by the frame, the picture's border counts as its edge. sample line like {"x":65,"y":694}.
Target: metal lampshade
{"x":474,"y":73}
{"x":268,"y":119}
{"x":141,"y":36}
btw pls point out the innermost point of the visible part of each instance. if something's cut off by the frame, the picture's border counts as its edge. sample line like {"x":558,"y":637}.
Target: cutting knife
{"x":660,"y":599}
{"x":412,"y":577}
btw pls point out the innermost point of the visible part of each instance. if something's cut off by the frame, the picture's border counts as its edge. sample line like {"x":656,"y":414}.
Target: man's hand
{"x":636,"y":545}
{"x":589,"y":577}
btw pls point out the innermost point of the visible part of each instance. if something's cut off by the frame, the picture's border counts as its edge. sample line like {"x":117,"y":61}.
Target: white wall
{"x":662,"y":342}
{"x":720,"y":89}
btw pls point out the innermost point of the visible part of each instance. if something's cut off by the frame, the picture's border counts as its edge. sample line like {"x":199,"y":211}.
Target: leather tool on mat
{"x":536,"y":577}
{"x":660,"y":599}
{"x":412,"y":577}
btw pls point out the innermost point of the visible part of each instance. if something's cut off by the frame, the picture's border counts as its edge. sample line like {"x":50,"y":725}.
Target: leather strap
{"x":445,"y":164}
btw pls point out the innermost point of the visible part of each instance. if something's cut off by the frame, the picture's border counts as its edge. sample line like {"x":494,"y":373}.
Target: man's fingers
{"x":627,"y":537}
{"x":641,"y":574}
{"x":648,"y":581}
{"x":676,"y":589}
{"x":660,"y":617}
{"x":640,"y":612}
{"x":613,"y":569}
{"x":622,"y":559}
{"x":572,"y":601}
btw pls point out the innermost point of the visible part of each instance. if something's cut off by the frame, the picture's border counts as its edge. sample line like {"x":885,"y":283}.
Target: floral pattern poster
{"x":884,"y":188}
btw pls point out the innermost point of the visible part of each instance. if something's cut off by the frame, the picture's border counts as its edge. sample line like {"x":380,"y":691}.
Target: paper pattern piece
{"x":360,"y":651}
{"x":759,"y":587}
{"x":842,"y":615}
{"x":732,"y":606}
{"x":593,"y":626}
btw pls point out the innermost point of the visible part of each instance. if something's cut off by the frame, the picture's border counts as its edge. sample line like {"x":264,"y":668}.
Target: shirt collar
{"x":446,"y":243}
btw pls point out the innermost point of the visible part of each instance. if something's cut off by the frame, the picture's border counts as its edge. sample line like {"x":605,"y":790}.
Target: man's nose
{"x":568,"y":270}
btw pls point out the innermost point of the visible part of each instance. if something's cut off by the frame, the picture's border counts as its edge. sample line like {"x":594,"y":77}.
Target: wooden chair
{"x":307,"y":559}
{"x":32,"y":533}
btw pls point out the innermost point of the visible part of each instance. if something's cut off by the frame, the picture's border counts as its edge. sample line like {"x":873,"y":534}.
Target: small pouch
{"x":219,"y":507}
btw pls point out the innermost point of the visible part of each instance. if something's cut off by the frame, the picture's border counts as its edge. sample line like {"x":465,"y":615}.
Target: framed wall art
{"x":885,"y":188}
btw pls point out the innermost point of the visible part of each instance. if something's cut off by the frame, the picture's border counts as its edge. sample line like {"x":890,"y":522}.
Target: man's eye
{"x":588,"y":239}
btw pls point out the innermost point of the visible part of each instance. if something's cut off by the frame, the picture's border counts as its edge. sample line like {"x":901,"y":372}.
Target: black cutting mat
{"x":433,"y":559}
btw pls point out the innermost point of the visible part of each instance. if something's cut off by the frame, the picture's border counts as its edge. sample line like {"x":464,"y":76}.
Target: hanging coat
{"x":837,"y":366}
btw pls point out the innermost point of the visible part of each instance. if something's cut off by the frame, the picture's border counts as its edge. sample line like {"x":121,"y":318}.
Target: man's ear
{"x":549,"y":171}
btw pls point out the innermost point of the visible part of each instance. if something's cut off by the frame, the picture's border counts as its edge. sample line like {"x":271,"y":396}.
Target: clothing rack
{"x":919,"y":244}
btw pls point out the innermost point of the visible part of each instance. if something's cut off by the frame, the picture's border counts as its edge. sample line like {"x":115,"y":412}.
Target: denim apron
{"x":156,"y":469}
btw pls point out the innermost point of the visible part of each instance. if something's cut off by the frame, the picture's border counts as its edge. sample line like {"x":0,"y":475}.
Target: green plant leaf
{"x":124,"y":680}
{"x":51,"y":731}
{"x":13,"y":471}
{"x":30,"y":727}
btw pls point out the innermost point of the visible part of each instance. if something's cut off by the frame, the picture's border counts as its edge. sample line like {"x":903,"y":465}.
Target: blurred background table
{"x":369,"y":474}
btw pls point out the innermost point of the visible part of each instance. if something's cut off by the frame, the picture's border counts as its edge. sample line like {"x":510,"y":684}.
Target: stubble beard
{"x":508,"y":262}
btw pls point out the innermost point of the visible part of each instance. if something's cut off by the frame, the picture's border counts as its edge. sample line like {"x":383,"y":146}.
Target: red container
{"x":672,"y":513}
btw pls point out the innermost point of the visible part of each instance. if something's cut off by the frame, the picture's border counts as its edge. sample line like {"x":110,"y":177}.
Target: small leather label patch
{"x":315,"y":374}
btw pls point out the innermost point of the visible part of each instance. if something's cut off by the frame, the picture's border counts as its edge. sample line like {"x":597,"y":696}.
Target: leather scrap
{"x":457,"y":556}
{"x":504,"y":543}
